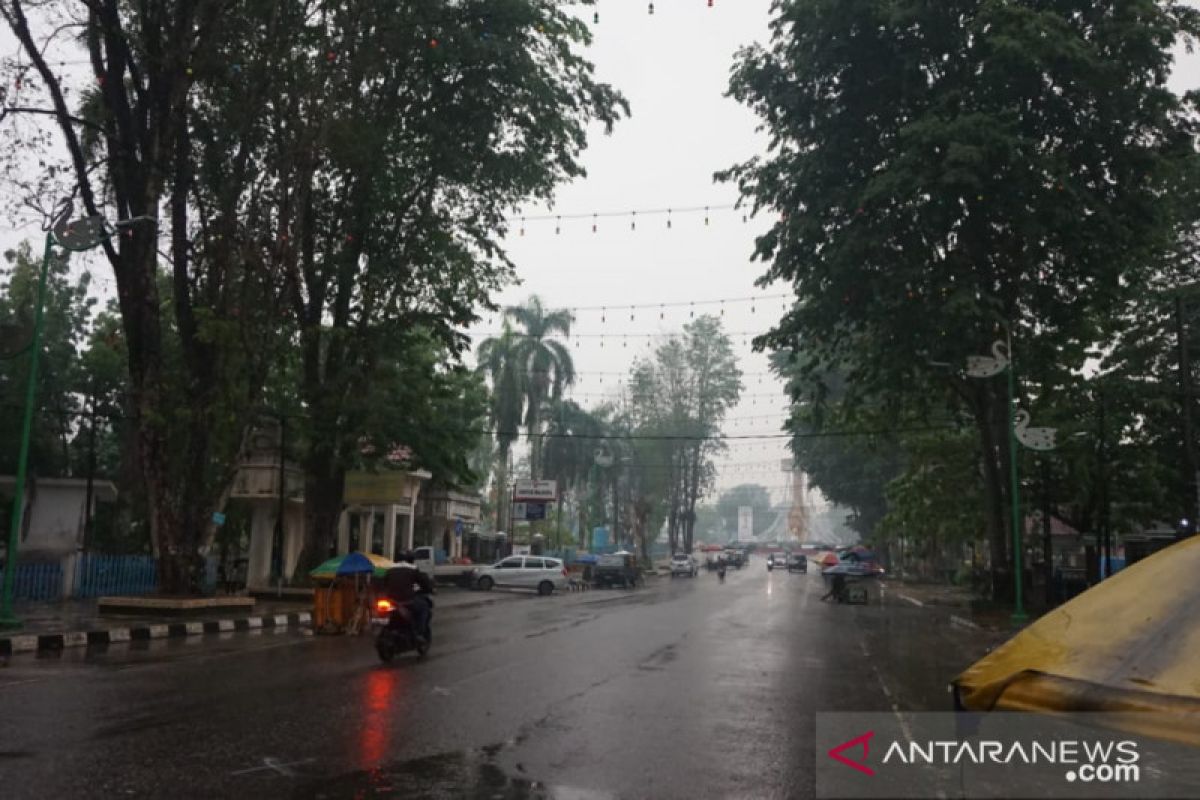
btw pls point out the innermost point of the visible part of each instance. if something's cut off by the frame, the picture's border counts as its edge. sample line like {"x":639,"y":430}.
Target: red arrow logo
{"x":864,"y":740}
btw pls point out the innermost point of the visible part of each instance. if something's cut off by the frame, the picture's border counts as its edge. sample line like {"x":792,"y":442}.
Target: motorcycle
{"x":396,"y":634}
{"x":721,"y":574}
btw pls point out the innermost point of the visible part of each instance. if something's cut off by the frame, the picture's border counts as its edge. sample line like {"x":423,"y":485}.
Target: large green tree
{"x":409,"y":134}
{"x":950,"y":174}
{"x":750,"y":495}
{"x":499,"y":361}
{"x":678,"y":399}
{"x":60,"y":384}
{"x":165,"y":133}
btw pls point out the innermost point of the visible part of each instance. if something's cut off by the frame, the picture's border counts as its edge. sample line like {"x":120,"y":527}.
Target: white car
{"x":683,"y":564}
{"x":541,"y":574}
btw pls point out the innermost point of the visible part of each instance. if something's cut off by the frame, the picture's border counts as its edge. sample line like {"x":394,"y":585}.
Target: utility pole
{"x":1190,"y":481}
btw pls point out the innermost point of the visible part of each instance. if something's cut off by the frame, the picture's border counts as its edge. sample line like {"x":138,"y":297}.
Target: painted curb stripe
{"x":30,"y":643}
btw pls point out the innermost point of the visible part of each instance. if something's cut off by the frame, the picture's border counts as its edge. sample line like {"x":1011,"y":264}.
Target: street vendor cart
{"x":618,"y":569}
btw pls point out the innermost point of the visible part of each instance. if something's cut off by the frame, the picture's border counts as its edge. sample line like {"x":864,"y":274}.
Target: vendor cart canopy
{"x":353,"y":564}
{"x":1130,"y":644}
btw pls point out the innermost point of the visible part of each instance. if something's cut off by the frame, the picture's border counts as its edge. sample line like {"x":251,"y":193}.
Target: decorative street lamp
{"x":1041,"y":439}
{"x":77,"y":235}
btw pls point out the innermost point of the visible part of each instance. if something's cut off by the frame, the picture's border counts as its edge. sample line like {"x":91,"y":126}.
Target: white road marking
{"x":274,"y":765}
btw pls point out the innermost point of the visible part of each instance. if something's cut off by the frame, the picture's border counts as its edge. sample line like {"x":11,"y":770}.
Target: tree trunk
{"x":502,"y":497}
{"x":994,"y":489}
{"x":693,"y":494}
{"x":324,"y":483}
{"x":535,"y":439}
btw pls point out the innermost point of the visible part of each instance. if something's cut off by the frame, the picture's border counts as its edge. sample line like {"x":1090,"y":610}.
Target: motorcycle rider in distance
{"x":721,"y":567}
{"x":410,"y":589}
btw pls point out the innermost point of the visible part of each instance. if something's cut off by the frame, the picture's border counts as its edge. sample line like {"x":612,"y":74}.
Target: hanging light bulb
{"x":522,"y":226}
{"x":706,"y":215}
{"x":668,"y":219}
{"x":558,"y":225}
{"x":652,"y":7}
{"x":633,"y":221}
{"x":593,"y":223}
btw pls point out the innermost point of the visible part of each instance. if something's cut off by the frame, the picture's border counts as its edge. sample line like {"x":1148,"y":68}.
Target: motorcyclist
{"x":721,"y":568}
{"x":410,"y":588}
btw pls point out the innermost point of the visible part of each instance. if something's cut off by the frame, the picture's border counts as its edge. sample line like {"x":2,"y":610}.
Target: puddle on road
{"x":469,"y":774}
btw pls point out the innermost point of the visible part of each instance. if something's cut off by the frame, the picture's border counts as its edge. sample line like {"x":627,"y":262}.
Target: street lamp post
{"x":70,"y":235}
{"x":1018,"y":432}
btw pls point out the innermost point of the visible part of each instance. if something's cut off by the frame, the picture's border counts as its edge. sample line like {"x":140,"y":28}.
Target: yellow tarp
{"x":1130,"y":644}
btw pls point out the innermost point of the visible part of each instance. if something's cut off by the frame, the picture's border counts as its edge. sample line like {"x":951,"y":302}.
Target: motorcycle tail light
{"x":384,"y":606}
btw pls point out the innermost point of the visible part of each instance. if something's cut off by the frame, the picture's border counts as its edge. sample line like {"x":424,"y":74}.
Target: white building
{"x":55,"y":513}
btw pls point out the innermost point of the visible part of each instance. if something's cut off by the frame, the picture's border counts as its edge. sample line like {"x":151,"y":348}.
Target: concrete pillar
{"x":389,"y":533}
{"x":293,"y":538}
{"x":262,"y":530}
{"x":366,"y":525}
{"x":409,"y":526}
{"x":414,"y":494}
{"x":343,"y":540}
{"x":69,"y":564}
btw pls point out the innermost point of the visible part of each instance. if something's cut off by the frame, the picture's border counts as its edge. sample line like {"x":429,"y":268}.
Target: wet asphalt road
{"x":686,"y":688}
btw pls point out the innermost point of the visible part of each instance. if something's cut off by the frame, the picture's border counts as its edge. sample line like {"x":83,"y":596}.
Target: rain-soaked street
{"x":686,"y":688}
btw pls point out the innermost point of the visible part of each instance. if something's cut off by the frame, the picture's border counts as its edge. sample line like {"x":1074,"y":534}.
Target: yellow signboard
{"x":376,"y":489}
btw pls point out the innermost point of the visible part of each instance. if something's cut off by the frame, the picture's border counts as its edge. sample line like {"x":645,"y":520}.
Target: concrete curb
{"x":955,"y":619}
{"x":31,"y":642}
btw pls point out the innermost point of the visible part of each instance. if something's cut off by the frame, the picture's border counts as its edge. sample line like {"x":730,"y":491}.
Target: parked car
{"x":543,"y":575}
{"x":797,"y":562}
{"x":683,"y":564}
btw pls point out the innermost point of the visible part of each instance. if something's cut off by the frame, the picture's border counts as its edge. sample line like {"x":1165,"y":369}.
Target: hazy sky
{"x":673,"y":67}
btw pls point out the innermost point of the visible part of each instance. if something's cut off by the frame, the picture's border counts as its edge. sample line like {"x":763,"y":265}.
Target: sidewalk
{"x":77,"y":623}
{"x":956,"y":603}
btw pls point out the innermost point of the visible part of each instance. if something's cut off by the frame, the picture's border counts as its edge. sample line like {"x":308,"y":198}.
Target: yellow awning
{"x":1130,"y":644}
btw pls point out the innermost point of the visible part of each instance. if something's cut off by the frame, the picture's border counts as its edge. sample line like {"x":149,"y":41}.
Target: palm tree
{"x":546,"y":363}
{"x":576,"y":434}
{"x":501,"y":361}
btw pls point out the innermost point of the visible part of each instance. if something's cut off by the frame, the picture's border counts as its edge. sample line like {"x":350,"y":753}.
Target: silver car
{"x":539,"y":573}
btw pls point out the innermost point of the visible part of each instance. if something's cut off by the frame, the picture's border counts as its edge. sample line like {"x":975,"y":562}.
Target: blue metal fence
{"x":97,"y":575}
{"x":36,"y":581}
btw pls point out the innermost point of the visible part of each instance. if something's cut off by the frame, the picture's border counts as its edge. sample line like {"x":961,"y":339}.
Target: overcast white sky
{"x":673,"y":66}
